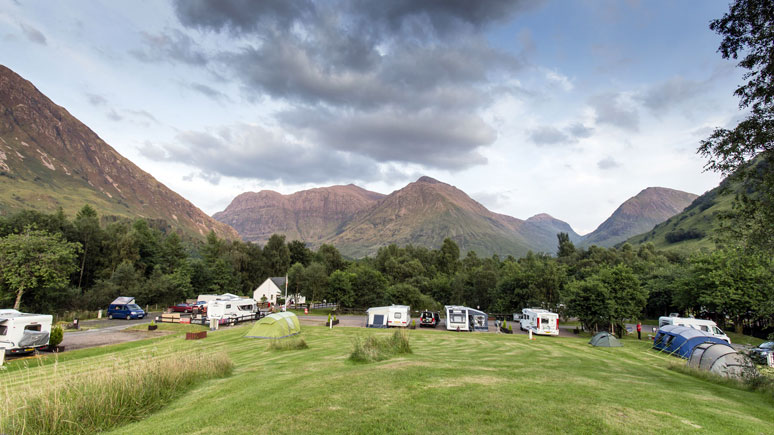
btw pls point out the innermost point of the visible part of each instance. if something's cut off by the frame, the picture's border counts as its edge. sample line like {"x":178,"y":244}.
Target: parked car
{"x":430,"y":319}
{"x":125,"y":311}
{"x":181,"y":308}
{"x":761,"y":353}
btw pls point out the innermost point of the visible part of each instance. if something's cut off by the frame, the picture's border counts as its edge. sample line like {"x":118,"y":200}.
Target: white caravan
{"x":707,"y":326}
{"x":459,"y":318}
{"x":231,"y":308}
{"x":383,"y":317}
{"x":23,"y":332}
{"x":539,"y":321}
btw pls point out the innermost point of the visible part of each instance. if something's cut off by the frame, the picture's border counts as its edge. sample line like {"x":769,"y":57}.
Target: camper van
{"x":23,"y":332}
{"x":383,"y":317}
{"x":124,"y":307}
{"x":222,"y":309}
{"x":460,"y":318}
{"x":539,"y":321}
{"x":707,"y":326}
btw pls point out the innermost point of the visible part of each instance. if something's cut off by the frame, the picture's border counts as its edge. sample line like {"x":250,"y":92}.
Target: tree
{"x":330,"y":257}
{"x":566,"y":248}
{"x":90,"y":235}
{"x":35,"y":260}
{"x":299,"y":253}
{"x":448,"y":257}
{"x":276,"y":255}
{"x":747,"y":151}
{"x":340,"y":288}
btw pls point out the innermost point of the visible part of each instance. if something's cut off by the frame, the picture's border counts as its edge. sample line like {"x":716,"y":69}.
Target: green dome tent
{"x":277,"y":325}
{"x":605,"y":339}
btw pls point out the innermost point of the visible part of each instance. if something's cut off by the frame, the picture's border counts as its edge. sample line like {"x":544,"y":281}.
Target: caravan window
{"x":3,"y":329}
{"x":32,"y":328}
{"x":704,"y":328}
{"x":228,"y":305}
{"x":397,"y":315}
{"x":457,"y":318}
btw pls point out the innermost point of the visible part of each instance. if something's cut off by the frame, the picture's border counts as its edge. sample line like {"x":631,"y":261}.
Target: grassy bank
{"x":480,"y":383}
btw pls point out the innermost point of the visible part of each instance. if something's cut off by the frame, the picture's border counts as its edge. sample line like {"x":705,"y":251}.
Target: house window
{"x":272,"y":297}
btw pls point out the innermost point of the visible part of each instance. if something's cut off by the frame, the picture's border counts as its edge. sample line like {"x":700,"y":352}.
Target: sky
{"x":560,"y":107}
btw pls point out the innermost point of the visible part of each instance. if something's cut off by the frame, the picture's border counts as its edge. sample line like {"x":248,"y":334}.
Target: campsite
{"x":480,"y":376}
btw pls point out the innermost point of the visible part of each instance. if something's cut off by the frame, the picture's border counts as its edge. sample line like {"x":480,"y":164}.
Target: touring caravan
{"x":539,"y":321}
{"x":23,"y":332}
{"x":707,"y":326}
{"x":460,"y":318}
{"x":222,"y":309}
{"x":383,"y":317}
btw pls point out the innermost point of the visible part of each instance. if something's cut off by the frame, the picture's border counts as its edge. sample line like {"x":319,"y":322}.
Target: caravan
{"x":460,"y":318}
{"x":383,"y":317}
{"x":23,"y":332}
{"x":707,"y":326}
{"x":231,"y":308}
{"x":539,"y":321}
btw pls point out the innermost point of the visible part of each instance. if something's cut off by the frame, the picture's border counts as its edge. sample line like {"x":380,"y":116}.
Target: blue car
{"x":125,"y":311}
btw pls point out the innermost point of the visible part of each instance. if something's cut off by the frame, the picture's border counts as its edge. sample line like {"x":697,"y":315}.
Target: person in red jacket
{"x":639,"y":331}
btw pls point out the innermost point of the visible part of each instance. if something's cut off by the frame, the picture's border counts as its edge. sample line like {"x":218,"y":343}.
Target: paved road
{"x":107,"y":331}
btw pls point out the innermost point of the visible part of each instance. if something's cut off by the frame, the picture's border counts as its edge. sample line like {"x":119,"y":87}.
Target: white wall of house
{"x":270,"y":290}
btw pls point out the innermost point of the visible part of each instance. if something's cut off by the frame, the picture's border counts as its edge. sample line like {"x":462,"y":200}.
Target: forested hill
{"x":49,"y":159}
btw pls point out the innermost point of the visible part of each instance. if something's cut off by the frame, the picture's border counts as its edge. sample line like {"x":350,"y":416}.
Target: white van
{"x":539,"y":321}
{"x":707,"y":326}
{"x":23,"y":332}
{"x":231,"y":308}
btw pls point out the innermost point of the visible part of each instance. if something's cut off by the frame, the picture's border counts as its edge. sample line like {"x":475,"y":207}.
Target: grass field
{"x":480,"y":383}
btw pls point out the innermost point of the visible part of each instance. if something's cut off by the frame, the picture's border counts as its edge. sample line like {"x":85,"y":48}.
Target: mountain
{"x":543,"y":228}
{"x":639,"y":214}
{"x":49,"y":159}
{"x":309,"y":215}
{"x":426,"y":212}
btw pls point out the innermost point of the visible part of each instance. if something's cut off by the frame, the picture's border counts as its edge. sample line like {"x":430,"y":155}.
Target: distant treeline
{"x":87,"y":263}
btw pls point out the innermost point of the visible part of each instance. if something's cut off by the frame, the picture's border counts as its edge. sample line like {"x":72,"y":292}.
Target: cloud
{"x":548,"y":135}
{"x":580,"y":131}
{"x":615,"y":109}
{"x":209,"y":92}
{"x":437,"y":140}
{"x":250,"y":151}
{"x":33,"y":34}
{"x":608,"y":163}
{"x":672,"y":92}
{"x":173,"y":45}
{"x":96,"y":99}
{"x":114,"y":116}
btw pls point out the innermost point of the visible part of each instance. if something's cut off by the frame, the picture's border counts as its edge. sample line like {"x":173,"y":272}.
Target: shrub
{"x":56,"y":337}
{"x":110,"y":396}
{"x":374,"y":348}
{"x":294,"y":343}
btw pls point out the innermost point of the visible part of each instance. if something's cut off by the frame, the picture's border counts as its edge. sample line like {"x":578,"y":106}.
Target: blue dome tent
{"x":680,"y":340}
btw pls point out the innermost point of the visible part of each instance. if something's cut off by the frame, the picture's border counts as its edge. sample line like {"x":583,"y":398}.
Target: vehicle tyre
{"x":110,"y":316}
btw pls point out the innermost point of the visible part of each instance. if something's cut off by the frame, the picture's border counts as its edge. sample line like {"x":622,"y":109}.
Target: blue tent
{"x":680,"y":340}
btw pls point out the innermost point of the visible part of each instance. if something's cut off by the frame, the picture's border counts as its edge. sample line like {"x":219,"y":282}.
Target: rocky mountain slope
{"x":639,"y":214}
{"x":309,"y":215}
{"x":49,"y":159}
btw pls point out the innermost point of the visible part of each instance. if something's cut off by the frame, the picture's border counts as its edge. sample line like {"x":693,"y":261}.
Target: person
{"x":639,"y":330}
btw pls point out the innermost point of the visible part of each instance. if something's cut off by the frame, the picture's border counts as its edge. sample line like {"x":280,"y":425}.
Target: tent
{"x":681,"y":340}
{"x":605,"y":339}
{"x":277,"y":325}
{"x":721,"y":359}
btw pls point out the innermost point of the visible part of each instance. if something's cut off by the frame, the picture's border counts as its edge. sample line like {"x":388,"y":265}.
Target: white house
{"x":274,"y":288}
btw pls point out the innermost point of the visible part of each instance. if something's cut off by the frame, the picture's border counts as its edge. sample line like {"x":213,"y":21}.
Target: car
{"x":181,"y":308}
{"x":125,"y":311}
{"x":761,"y":353}
{"x":429,"y":319}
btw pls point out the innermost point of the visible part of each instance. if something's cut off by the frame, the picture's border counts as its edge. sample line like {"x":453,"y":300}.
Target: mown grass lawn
{"x":452,"y":382}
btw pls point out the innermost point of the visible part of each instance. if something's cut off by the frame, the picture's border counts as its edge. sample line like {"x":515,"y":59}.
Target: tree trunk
{"x":83,"y":263}
{"x":17,"y":304}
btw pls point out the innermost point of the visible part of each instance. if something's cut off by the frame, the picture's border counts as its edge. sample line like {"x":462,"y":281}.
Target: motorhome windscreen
{"x":457,"y":318}
{"x":133,"y":307}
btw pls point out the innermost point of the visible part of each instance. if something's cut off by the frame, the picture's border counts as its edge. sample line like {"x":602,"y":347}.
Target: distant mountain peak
{"x":429,"y":180}
{"x":541,"y":217}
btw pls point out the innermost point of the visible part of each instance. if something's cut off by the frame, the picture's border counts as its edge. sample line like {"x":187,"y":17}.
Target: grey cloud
{"x":152,"y":151}
{"x":493,"y":200}
{"x":209,"y":92}
{"x":610,"y":109}
{"x":438,"y":140}
{"x":547,"y":135}
{"x":670,"y":93}
{"x":96,"y":99}
{"x":249,"y":151}
{"x":240,"y":15}
{"x":114,"y":116}
{"x":33,"y":34}
{"x":143,"y":114}
{"x":608,"y":163}
{"x":580,"y":131}
{"x":172,"y":45}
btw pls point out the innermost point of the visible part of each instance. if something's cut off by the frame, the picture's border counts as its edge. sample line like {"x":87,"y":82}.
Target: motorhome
{"x":231,"y":308}
{"x":23,"y":332}
{"x":459,"y":318}
{"x":124,"y":307}
{"x":539,"y":321}
{"x":707,"y":326}
{"x":384,"y":317}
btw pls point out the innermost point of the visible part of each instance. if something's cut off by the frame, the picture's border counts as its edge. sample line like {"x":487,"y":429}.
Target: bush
{"x":682,"y":234}
{"x":374,"y":348}
{"x":56,"y":337}
{"x":294,"y":343}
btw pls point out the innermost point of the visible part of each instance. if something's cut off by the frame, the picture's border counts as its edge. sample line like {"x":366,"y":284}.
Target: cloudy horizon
{"x":565,"y":108}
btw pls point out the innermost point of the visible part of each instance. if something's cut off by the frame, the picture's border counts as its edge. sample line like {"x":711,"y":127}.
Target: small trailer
{"x":384,"y":317}
{"x":23,"y":332}
{"x":539,"y":321}
{"x":459,"y":318}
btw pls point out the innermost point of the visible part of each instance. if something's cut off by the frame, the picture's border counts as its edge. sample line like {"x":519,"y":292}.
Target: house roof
{"x":279,"y":281}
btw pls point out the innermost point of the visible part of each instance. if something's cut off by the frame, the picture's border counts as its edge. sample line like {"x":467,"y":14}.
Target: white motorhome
{"x":23,"y":332}
{"x":707,"y":326}
{"x":459,"y":318}
{"x":383,"y":317}
{"x":539,"y":321}
{"x":233,"y":308}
